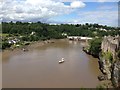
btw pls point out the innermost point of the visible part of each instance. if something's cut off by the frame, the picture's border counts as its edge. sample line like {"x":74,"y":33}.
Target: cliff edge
{"x":109,"y":60}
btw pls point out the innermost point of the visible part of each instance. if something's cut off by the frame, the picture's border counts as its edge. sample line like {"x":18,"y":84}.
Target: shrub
{"x":95,"y":46}
{"x":109,"y":56}
{"x":5,"y":45}
{"x":100,"y":87}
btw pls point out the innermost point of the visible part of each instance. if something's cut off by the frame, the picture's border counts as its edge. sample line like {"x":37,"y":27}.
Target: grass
{"x":3,"y":35}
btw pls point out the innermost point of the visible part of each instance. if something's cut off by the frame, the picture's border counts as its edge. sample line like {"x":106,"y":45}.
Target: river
{"x":39,"y":67}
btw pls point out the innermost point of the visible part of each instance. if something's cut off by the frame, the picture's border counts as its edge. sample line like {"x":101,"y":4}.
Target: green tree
{"x":5,"y":45}
{"x":95,"y":46}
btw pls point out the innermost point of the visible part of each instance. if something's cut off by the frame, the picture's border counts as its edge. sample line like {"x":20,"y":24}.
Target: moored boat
{"x":62,"y":60}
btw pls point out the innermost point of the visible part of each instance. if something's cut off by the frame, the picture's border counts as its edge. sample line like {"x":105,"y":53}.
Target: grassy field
{"x":3,"y":35}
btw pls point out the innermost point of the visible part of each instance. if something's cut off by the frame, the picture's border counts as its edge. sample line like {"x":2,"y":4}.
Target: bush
{"x":5,"y":45}
{"x":95,"y":46}
{"x":25,"y":38}
{"x":100,"y":87}
{"x":109,"y":56}
{"x":34,"y":38}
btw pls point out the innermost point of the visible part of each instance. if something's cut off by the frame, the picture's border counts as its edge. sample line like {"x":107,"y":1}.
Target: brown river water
{"x":39,"y":67}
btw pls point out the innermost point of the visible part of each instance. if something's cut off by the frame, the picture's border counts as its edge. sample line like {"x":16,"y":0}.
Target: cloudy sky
{"x":61,"y":11}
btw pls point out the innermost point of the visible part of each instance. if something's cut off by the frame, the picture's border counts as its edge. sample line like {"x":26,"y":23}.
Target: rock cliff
{"x":108,"y":60}
{"x":116,"y":74}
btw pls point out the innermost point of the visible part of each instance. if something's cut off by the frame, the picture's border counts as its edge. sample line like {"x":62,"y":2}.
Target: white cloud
{"x":108,"y":7}
{"x":30,"y":9}
{"x":77,"y":4}
{"x":33,"y":10}
{"x":102,"y":17}
{"x":88,"y":0}
{"x":44,"y":10}
{"x":108,"y":0}
{"x":102,"y":0}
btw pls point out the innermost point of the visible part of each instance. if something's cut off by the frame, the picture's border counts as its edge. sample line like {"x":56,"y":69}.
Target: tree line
{"x":34,"y":31}
{"x":46,"y":31}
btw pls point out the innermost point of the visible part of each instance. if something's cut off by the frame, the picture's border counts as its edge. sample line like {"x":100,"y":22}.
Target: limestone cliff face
{"x":108,"y":61}
{"x":105,"y":67}
{"x":111,"y":44}
{"x":116,"y":74}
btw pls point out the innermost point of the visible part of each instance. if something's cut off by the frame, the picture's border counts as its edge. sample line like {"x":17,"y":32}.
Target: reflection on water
{"x":39,"y":67}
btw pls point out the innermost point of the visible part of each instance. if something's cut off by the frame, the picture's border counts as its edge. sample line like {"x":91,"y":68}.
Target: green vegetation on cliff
{"x":94,"y":47}
{"x":108,"y":56}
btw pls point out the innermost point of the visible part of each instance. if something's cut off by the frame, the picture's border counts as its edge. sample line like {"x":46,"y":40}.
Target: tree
{"x":95,"y":47}
{"x":5,"y":45}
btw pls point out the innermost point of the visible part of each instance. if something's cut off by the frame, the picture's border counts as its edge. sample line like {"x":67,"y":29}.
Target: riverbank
{"x":8,"y":52}
{"x":108,"y":59}
{"x":104,"y":83}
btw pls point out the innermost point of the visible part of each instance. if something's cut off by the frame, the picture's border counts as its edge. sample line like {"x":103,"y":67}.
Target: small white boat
{"x":24,"y":49}
{"x":62,"y":60}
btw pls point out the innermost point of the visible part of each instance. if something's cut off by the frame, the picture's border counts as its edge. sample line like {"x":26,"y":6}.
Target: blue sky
{"x":60,"y":11}
{"x":100,"y":9}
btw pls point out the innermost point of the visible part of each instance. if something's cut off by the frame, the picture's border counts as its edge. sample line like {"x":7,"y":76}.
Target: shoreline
{"x":8,"y":52}
{"x":103,"y":83}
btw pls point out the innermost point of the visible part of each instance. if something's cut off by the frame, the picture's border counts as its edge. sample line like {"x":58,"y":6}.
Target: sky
{"x":103,"y":12}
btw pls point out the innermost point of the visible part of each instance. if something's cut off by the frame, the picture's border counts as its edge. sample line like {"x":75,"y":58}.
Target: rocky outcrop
{"x":116,"y":74}
{"x":102,"y":77}
{"x":105,"y":67}
{"x":110,"y":66}
{"x":111,"y":44}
